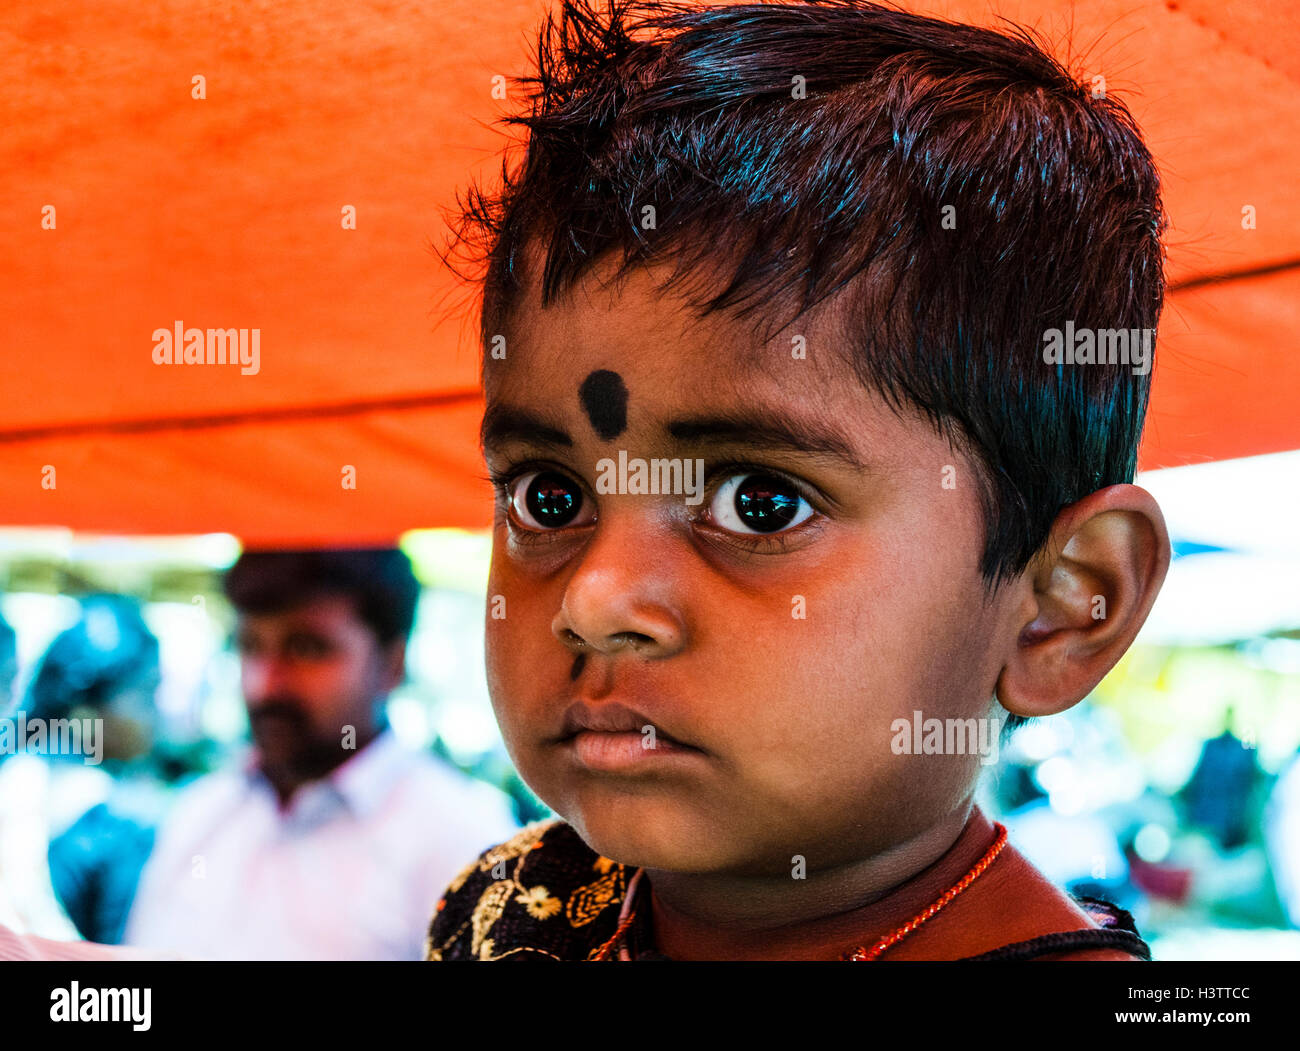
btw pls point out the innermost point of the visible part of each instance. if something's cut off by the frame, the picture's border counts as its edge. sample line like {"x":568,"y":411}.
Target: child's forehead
{"x":634,"y":341}
{"x":578,"y":385}
{"x":625,"y":360}
{"x":613,"y":392}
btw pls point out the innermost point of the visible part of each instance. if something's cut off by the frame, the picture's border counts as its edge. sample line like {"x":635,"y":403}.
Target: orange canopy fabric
{"x":227,"y":211}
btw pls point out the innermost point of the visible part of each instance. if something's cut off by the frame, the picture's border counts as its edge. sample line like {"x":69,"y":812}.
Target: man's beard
{"x":288,"y":744}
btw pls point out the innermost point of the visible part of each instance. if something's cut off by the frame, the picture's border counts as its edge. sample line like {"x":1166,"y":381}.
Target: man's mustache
{"x":287,"y":709}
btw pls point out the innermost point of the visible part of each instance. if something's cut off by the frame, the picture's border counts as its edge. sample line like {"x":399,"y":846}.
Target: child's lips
{"x":611,"y":735}
{"x":617,"y":751}
{"x":610,"y":717}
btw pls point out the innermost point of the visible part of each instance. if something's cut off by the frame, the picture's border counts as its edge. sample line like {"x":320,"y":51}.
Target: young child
{"x":810,"y":428}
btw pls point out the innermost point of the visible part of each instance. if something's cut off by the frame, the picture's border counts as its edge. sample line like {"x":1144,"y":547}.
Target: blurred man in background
{"x":334,"y":841}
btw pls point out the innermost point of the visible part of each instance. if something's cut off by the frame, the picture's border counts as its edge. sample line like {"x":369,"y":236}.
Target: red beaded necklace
{"x":862,"y":952}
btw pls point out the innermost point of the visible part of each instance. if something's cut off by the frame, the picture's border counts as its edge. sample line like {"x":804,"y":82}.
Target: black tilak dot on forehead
{"x":578,"y":663}
{"x":604,"y":399}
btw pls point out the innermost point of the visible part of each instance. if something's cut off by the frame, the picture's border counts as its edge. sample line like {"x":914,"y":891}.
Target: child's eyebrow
{"x":765,"y":431}
{"x":503,"y":423}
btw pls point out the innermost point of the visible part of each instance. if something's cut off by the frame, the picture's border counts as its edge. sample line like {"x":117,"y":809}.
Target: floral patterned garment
{"x":542,"y":895}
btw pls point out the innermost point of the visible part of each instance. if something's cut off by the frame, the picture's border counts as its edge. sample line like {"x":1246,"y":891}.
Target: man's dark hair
{"x":800,"y":151}
{"x":379,"y":581}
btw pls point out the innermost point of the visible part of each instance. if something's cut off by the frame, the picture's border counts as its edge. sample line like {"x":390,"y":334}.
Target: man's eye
{"x":548,"y":500}
{"x":309,"y":648}
{"x":758,"y":503}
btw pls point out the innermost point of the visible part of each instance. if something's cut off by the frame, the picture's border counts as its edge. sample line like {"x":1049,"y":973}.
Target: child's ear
{"x":1084,"y":598}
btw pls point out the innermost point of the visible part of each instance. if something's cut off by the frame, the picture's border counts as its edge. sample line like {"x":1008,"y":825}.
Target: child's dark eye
{"x":548,"y":500}
{"x":758,"y":503}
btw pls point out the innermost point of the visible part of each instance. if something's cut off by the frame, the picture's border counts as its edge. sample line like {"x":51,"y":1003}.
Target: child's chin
{"x":667,"y":842}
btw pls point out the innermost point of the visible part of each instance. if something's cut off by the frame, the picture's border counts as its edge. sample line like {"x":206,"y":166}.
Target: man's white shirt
{"x":351,"y":870}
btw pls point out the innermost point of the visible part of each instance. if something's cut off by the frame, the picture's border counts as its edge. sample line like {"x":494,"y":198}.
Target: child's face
{"x":782,"y":655}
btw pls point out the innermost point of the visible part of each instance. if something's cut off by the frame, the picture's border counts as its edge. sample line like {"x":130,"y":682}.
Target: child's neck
{"x":818,"y":918}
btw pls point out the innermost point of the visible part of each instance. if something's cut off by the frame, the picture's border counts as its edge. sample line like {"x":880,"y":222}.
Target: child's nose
{"x":621,"y":600}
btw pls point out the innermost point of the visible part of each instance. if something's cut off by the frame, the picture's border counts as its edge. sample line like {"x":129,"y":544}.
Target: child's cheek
{"x":504,"y":618}
{"x":524,"y":660}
